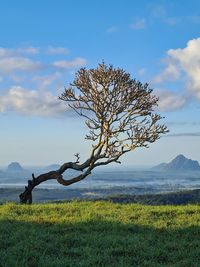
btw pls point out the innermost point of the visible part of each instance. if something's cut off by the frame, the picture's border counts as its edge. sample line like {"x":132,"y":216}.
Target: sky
{"x":42,"y":45}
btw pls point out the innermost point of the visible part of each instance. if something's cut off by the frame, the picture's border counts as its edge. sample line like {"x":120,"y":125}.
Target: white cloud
{"x":139,"y":24}
{"x":18,"y":66}
{"x":12,"y":61}
{"x":10,"y":64}
{"x":169,"y":101}
{"x":64,"y":64}
{"x":10,"y":52}
{"x":31,"y":102}
{"x":171,"y":72}
{"x":184,"y":63}
{"x":57,"y":50}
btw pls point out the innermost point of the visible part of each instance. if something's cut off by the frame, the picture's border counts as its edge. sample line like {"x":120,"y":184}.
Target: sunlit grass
{"x":99,"y":234}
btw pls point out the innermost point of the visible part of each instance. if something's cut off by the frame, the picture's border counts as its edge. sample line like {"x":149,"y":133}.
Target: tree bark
{"x":26,"y":196}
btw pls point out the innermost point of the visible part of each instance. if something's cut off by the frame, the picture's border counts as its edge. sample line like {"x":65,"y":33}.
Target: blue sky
{"x":42,"y":45}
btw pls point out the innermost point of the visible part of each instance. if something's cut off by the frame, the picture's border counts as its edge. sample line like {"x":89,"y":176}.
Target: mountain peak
{"x":15,"y":166}
{"x":180,"y":156}
{"x":179,"y":163}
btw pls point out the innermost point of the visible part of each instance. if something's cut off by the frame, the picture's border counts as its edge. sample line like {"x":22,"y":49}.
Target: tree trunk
{"x":26,"y":196}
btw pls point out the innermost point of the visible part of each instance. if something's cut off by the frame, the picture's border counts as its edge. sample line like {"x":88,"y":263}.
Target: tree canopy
{"x":120,"y":115}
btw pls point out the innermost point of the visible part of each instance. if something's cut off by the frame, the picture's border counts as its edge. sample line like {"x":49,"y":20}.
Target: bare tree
{"x":119,"y":112}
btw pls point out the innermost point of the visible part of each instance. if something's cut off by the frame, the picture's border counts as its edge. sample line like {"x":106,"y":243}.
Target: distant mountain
{"x":14,"y":167}
{"x":180,"y":163}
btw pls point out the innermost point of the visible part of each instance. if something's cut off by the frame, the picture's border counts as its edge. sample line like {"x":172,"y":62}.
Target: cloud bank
{"x":195,"y":134}
{"x":46,"y":73}
{"x":169,"y":101}
{"x":22,"y":60}
{"x":183,"y":64}
{"x":11,"y":64}
{"x":64,"y":64}
{"x":10,"y":52}
{"x":31,"y":103}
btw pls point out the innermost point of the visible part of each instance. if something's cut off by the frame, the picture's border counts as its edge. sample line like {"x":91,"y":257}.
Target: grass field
{"x":99,"y":234}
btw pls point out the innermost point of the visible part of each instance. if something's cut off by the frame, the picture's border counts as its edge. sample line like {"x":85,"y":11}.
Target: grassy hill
{"x":99,"y":234}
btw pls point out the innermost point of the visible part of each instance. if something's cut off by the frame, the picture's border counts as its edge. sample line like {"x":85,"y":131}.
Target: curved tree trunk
{"x":26,"y":196}
{"x":85,"y":168}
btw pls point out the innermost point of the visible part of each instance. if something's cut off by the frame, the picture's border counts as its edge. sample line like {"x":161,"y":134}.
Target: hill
{"x":99,"y":234}
{"x":14,"y":167}
{"x":180,"y":163}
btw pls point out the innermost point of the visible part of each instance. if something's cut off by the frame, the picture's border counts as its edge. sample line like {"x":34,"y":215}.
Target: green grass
{"x":99,"y":234}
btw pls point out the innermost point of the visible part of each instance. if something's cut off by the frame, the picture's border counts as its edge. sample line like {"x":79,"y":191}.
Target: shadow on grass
{"x":96,"y":243}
